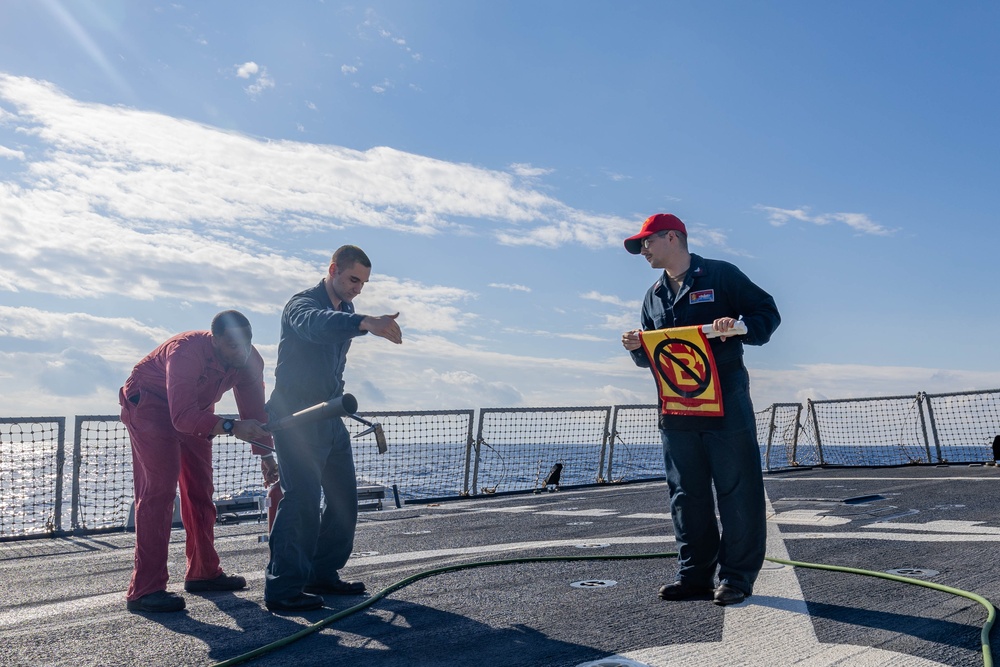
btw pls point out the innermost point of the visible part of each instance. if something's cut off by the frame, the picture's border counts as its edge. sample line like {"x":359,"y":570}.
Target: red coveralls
{"x":167,"y":406}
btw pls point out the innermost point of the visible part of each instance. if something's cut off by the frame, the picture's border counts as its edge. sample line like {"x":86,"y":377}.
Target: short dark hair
{"x":349,"y":255}
{"x":229,"y":319}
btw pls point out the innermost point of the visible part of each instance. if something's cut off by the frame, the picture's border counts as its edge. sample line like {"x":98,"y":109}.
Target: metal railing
{"x":451,"y":453}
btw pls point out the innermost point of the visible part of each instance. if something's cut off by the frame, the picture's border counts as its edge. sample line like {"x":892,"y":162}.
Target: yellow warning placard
{"x":684,"y":368}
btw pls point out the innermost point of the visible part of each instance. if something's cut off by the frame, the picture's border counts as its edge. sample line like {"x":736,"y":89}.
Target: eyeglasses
{"x":645,"y":241}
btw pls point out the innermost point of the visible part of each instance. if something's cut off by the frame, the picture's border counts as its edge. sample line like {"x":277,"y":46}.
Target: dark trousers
{"x":307,"y":547}
{"x":730,"y":461}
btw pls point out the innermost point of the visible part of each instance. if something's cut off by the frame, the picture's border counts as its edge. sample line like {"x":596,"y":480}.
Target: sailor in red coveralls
{"x":168,"y":407}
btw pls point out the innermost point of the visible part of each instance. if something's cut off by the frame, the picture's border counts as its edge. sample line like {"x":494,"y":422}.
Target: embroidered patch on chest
{"x":702,"y":296}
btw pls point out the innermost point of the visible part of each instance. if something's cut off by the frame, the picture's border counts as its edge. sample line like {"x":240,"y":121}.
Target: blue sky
{"x":160,"y":162}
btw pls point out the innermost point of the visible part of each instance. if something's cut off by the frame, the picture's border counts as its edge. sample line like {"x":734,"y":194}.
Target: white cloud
{"x":623,"y":322}
{"x":612,"y":300}
{"x":372,"y":30}
{"x":142,"y":205}
{"x":148,"y":212}
{"x":372,"y":20}
{"x":250,"y":69}
{"x":348,"y":69}
{"x":626,"y":320}
{"x":460,"y":383}
{"x":263,"y":83}
{"x":700,"y":236}
{"x":511,"y":287}
{"x":147,"y":169}
{"x":246,"y":70}
{"x":10,"y":153}
{"x":859,"y":222}
{"x":528,"y":171}
{"x":428,"y":372}
{"x":58,"y":364}
{"x":829,"y":381}
{"x":589,"y":338}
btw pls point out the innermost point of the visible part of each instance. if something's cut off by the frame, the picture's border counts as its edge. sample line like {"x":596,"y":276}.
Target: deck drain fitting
{"x":594,"y":583}
{"x":593,"y":545}
{"x":613,"y":662}
{"x":914,"y":572}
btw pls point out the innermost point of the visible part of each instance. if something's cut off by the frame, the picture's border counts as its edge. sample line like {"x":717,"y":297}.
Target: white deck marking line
{"x":882,"y":479}
{"x":12,"y":617}
{"x":776,"y":611}
{"x":87,"y":604}
{"x":593,"y":512}
{"x":894,"y":537}
{"x":808,"y":518}
{"x":515,"y":509}
{"x":505,"y":547}
{"x":940,"y":526}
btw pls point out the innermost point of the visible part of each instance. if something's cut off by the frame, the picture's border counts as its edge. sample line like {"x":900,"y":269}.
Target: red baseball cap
{"x":660,"y":222}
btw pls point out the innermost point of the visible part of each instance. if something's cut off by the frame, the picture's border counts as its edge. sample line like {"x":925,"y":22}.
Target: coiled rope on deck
{"x":318,"y":625}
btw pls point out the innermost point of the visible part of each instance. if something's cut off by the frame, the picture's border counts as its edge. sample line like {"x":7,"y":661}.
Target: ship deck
{"x":564,"y":578}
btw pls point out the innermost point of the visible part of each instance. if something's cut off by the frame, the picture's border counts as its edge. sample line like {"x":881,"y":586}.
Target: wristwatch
{"x":227,"y":426}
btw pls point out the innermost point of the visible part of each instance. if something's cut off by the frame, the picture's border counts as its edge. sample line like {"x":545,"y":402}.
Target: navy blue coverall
{"x":700,"y":451}
{"x":307,"y":548}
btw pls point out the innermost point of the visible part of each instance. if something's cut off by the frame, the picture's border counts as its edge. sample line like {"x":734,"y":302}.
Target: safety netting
{"x":32,"y":453}
{"x":518,"y":449}
{"x":449,"y":453}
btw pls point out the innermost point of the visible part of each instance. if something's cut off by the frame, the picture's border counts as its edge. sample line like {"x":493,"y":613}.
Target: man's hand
{"x":269,"y":467}
{"x":722,"y":325}
{"x":250,"y":429}
{"x":630,"y":340}
{"x":384,"y":326}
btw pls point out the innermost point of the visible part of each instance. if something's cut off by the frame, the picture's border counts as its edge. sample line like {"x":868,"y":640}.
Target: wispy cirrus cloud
{"x":612,"y":300}
{"x":510,"y":287}
{"x":151,"y":168}
{"x":859,"y":222}
{"x":113,"y":205}
{"x":527,"y":171}
{"x":122,"y":200}
{"x":373,"y":24}
{"x":11,"y":154}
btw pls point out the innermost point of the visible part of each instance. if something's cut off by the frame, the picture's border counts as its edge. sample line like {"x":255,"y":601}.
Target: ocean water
{"x":29,"y":473}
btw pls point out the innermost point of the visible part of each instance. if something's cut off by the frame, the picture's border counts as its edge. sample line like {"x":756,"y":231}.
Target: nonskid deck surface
{"x":63,"y":600}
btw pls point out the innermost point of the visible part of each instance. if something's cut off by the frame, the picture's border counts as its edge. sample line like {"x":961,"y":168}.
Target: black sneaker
{"x":223,"y":582}
{"x":157,"y":602}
